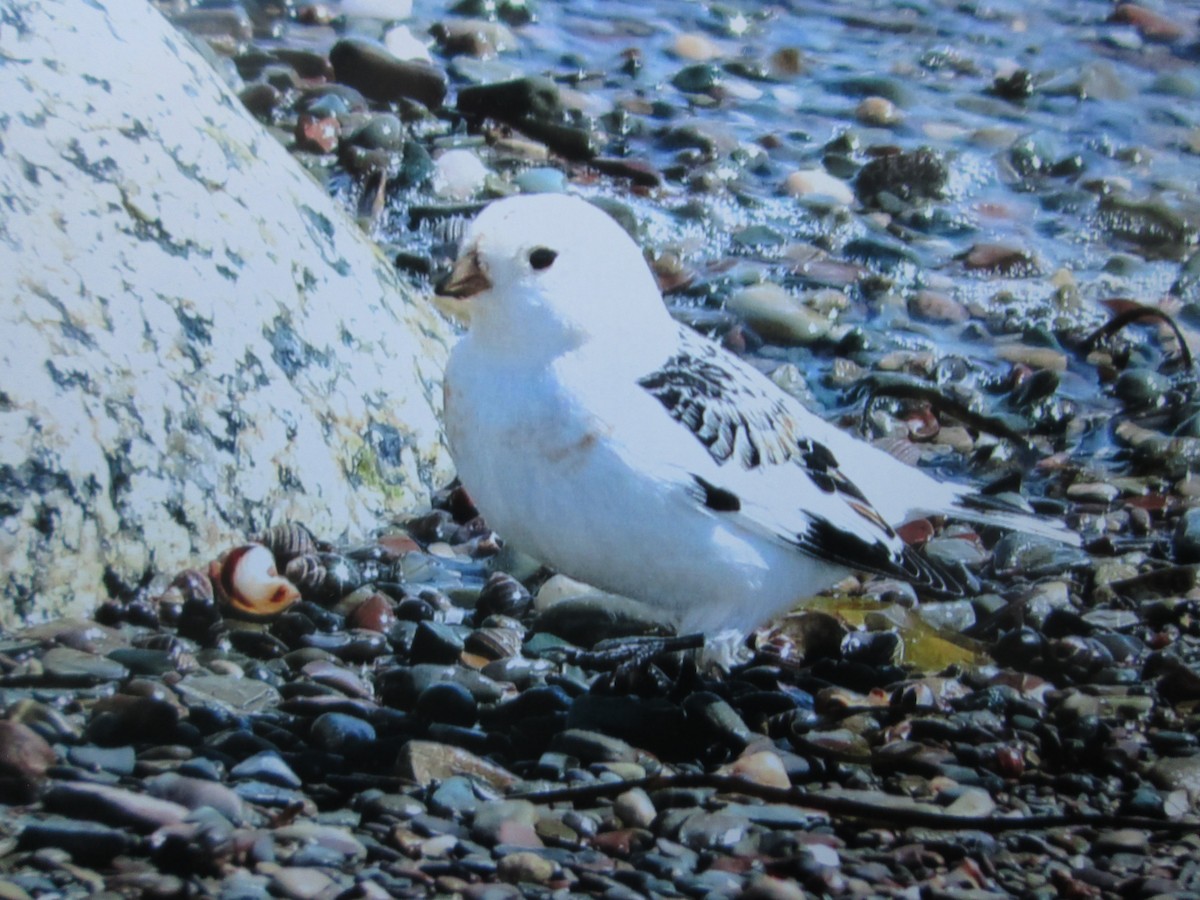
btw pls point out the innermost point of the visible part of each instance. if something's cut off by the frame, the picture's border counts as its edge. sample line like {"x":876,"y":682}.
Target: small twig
{"x":609,"y":655}
{"x":1135,"y":314}
{"x":285,"y":816}
{"x":847,"y":806}
{"x":905,"y":389}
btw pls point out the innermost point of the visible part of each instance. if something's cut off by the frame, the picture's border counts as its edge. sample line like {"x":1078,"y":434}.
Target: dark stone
{"x":917,"y":175}
{"x":89,"y":843}
{"x":436,"y":642}
{"x":502,"y":595}
{"x":514,"y":102}
{"x":380,"y":76}
{"x":24,"y":758}
{"x":118,"y":760}
{"x":340,"y":733}
{"x":449,"y":703}
{"x":1186,"y":542}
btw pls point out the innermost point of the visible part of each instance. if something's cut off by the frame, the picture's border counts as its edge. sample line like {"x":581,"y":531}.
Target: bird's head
{"x":553,"y":272}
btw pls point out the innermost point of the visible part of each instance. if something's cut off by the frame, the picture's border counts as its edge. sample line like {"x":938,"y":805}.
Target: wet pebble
{"x":524,"y":867}
{"x":428,"y":761}
{"x":379,"y":75}
{"x":24,"y":758}
{"x":87,"y":843}
{"x":934,"y":306}
{"x":340,"y":733}
{"x":776,"y":314}
{"x":195,"y":793}
{"x":458,"y":175}
{"x":816,"y":183}
{"x":267,"y":766}
{"x":635,"y":808}
{"x":878,"y":111}
{"x":509,"y":822}
{"x":69,"y":667}
{"x":113,"y":806}
{"x":449,"y":703}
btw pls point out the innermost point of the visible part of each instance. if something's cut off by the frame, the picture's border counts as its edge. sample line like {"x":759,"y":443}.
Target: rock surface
{"x":194,"y":341}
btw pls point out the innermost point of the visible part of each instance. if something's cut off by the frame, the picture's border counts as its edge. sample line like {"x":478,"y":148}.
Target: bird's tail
{"x":1012,"y":515}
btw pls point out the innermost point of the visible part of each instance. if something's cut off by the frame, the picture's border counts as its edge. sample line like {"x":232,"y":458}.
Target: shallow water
{"x":1068,"y":141}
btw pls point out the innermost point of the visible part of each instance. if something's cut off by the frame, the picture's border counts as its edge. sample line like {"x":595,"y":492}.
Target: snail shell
{"x":249,"y":582}
{"x":324,"y":577}
{"x":494,"y":643}
{"x":503,"y":595}
{"x":287,"y":541}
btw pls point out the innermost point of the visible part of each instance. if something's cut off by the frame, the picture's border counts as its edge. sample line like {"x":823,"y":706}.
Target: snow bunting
{"x":600,"y":436}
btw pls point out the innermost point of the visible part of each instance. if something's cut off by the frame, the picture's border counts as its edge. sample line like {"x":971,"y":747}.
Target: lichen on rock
{"x":194,"y":341}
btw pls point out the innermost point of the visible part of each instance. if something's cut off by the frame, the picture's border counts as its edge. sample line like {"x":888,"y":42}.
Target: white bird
{"x":608,"y":441}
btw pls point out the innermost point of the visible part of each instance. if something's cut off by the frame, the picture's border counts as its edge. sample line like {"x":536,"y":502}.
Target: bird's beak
{"x":465,"y":280}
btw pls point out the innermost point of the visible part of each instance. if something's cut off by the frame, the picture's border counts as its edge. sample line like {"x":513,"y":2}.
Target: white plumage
{"x":615,"y":445}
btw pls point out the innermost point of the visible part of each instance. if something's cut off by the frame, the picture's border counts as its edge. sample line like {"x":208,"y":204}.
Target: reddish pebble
{"x":916,"y":532}
{"x":1150,"y":25}
{"x":1160,"y":640}
{"x":621,"y":842}
{"x":518,"y":834}
{"x":996,"y":259}
{"x":398,"y":544}
{"x":1010,"y":761}
{"x":315,"y":14}
{"x":376,"y":613}
{"x":24,"y":758}
{"x":317,"y":135}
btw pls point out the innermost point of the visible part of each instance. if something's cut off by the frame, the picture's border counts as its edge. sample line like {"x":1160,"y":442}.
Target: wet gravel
{"x":968,"y":231}
{"x":416,"y":720}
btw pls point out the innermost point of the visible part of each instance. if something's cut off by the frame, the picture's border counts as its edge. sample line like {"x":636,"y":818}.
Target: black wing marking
{"x":717,"y":498}
{"x":736,"y":419}
{"x":733,"y":419}
{"x":827,"y":541}
{"x":741,"y":422}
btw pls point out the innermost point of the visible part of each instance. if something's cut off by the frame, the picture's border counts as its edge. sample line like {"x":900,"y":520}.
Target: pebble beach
{"x":967,"y":232}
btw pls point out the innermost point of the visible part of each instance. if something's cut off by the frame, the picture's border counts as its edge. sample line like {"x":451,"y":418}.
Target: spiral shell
{"x":287,"y":541}
{"x":325,"y":577}
{"x":502,"y":595}
{"x":249,"y":582}
{"x":495,"y":643}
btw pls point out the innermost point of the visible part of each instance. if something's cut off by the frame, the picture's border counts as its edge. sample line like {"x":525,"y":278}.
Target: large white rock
{"x":194,"y":341}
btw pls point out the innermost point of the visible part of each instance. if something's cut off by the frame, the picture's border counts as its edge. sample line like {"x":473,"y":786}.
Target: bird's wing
{"x":769,"y":473}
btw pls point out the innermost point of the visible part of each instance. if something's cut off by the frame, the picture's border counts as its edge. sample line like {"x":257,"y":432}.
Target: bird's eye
{"x":542,"y":257}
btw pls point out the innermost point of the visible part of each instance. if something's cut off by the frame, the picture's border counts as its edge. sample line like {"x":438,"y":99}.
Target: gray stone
{"x":341,"y":733}
{"x":1178,"y":773}
{"x":113,"y":806}
{"x":428,"y":761}
{"x":454,"y":797}
{"x":238,"y":695}
{"x":298,"y":882}
{"x":1186,"y":542}
{"x":194,"y":340}
{"x":776,"y":815}
{"x":591,"y":746}
{"x":525,"y":867}
{"x":269,"y":767}
{"x":195,"y":793}
{"x":493,"y":818}
{"x":712,"y":831}
{"x":117,"y":760}
{"x":635,"y":808}
{"x":75,"y":667}
{"x":87,"y":842}
{"x":340,"y":841}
